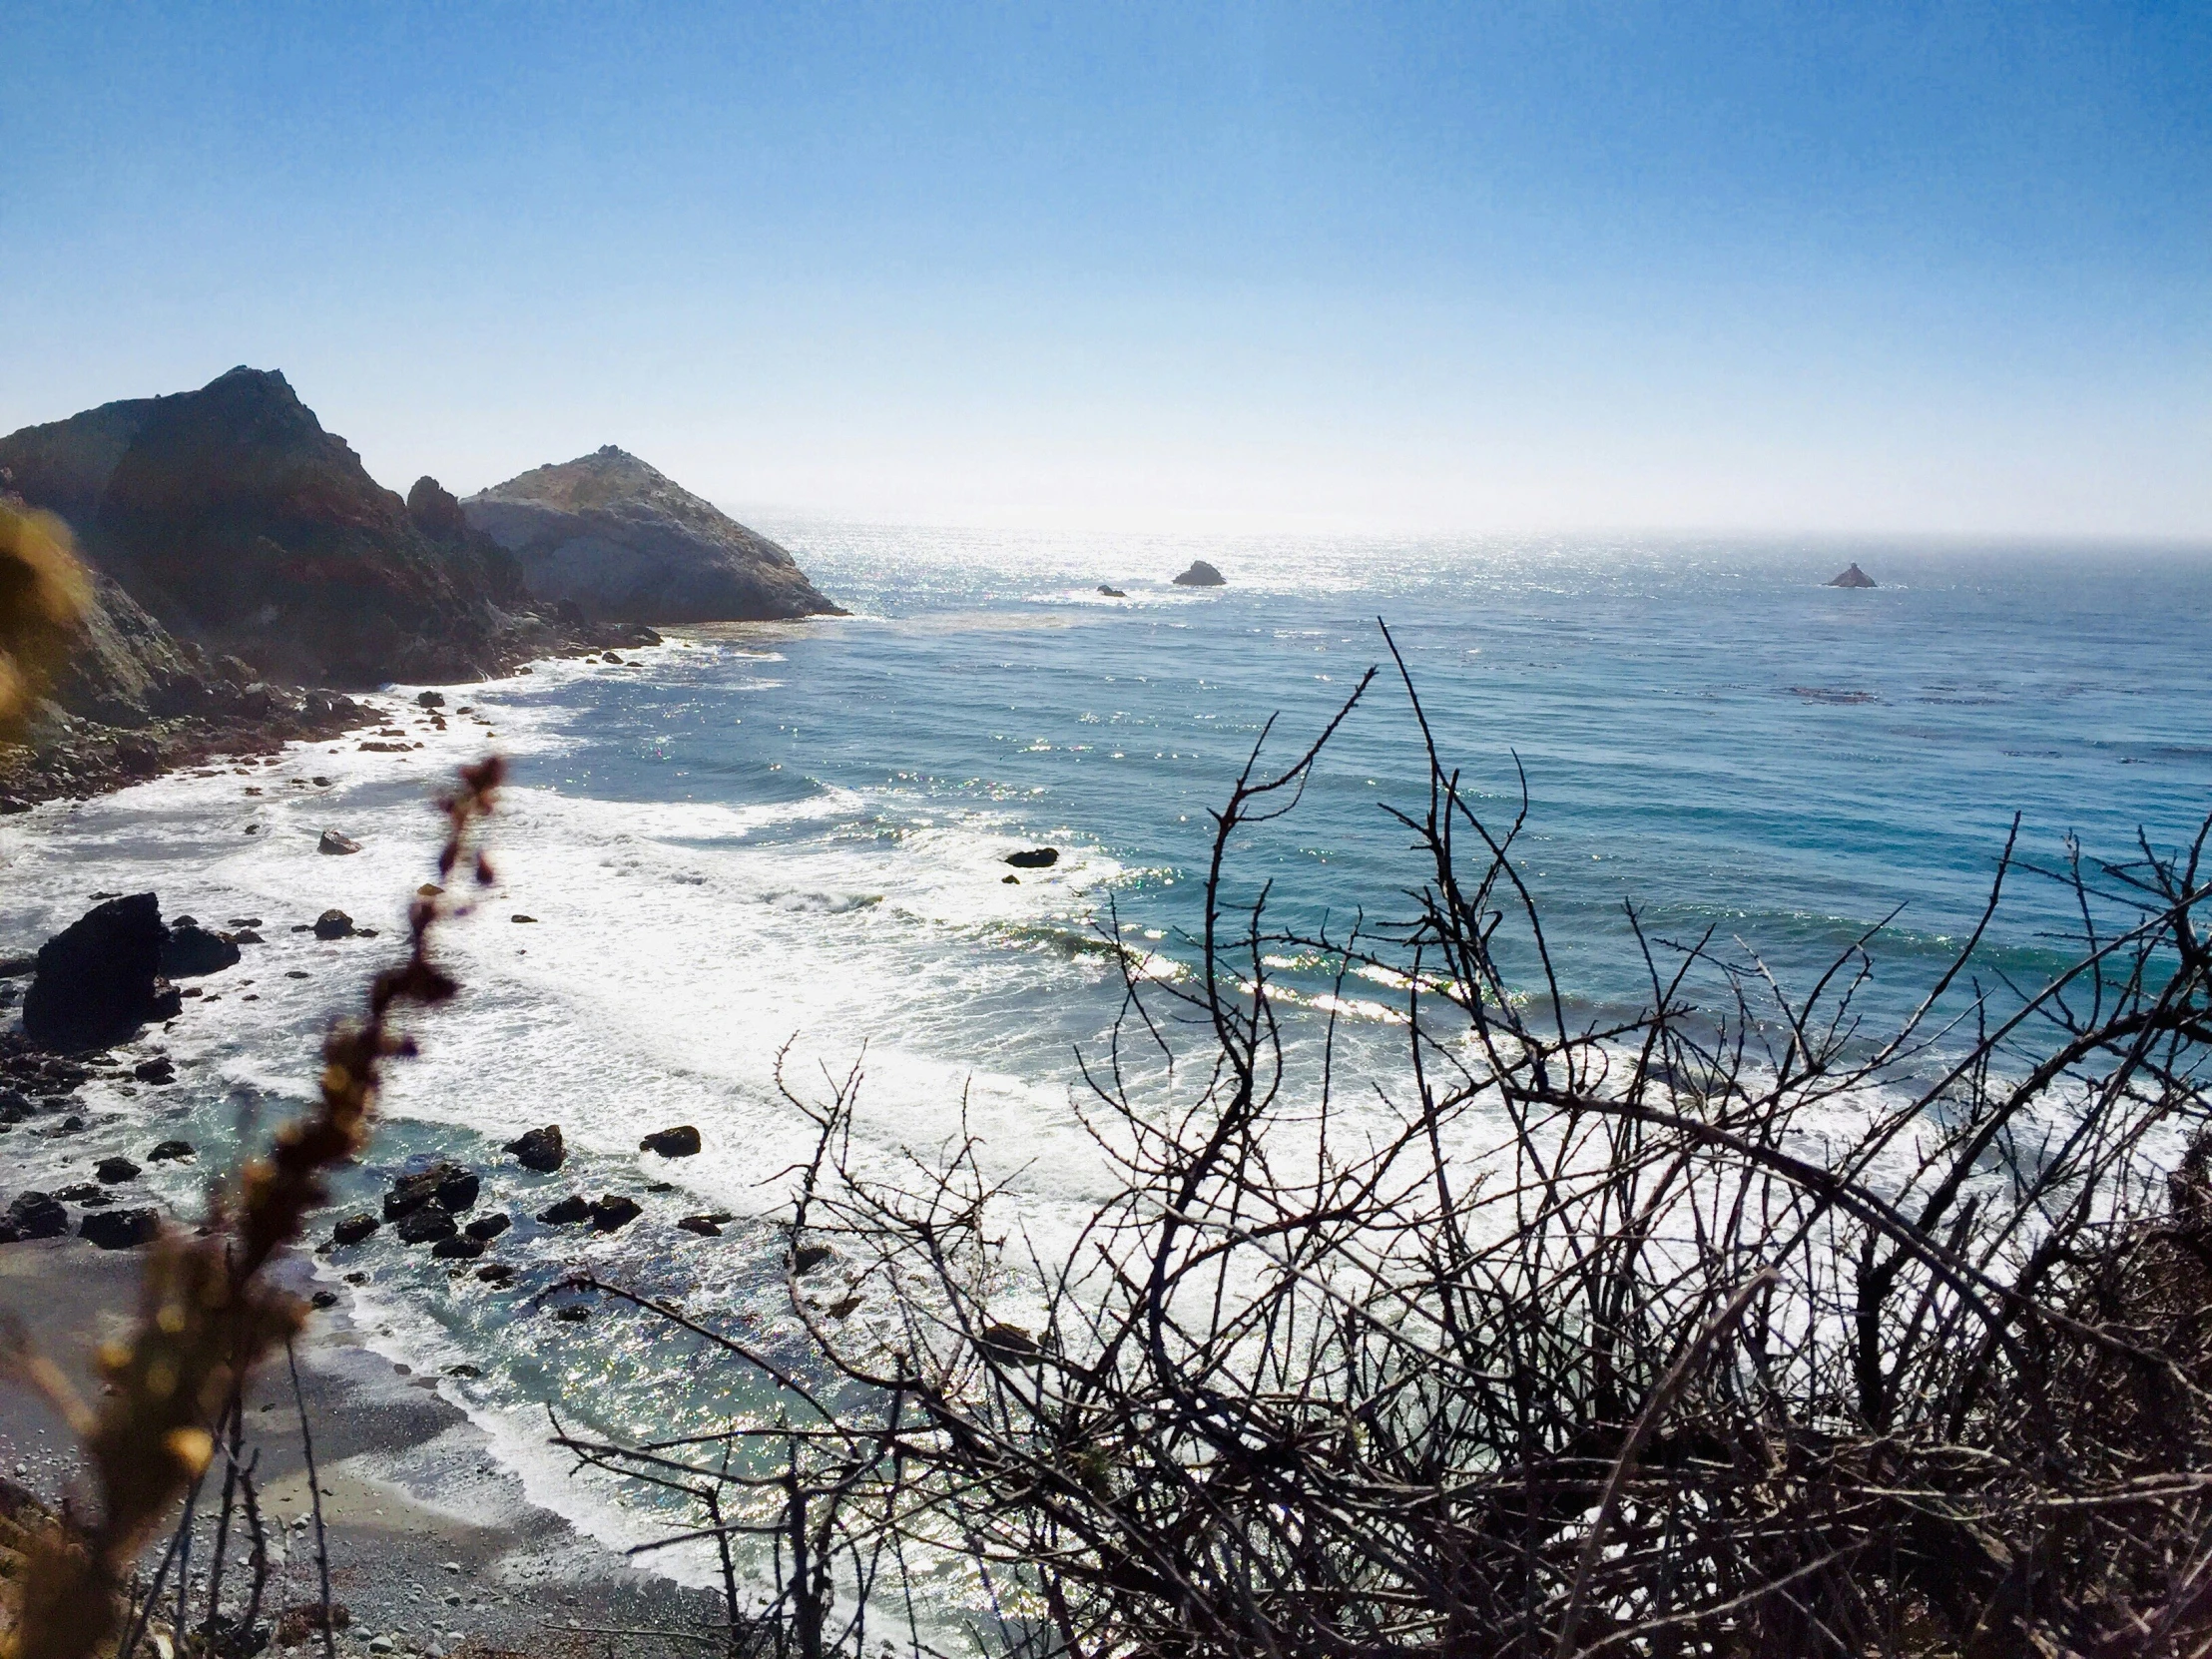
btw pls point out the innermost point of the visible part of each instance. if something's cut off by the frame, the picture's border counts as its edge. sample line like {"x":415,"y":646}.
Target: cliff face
{"x":624,"y":542}
{"x":125,"y":666}
{"x":231,"y":515}
{"x":64,"y":465}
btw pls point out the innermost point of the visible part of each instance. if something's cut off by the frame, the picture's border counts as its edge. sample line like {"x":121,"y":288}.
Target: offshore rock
{"x":1201,"y":575}
{"x":539,"y":1149}
{"x":97,"y":982}
{"x":618,"y":540}
{"x":567,"y":1212}
{"x":354,"y":1228}
{"x":333,"y":924}
{"x":1035,"y":858}
{"x":680,"y":1142}
{"x":446,"y":1184}
{"x":337,"y":844}
{"x":614,"y":1211}
{"x":427,"y":1225}
{"x":1852,"y":578}
{"x":192,"y":951}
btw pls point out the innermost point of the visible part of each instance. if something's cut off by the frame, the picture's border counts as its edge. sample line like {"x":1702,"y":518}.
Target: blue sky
{"x":1941,"y":267}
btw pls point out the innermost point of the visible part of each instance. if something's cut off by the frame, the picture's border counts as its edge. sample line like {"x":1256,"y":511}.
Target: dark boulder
{"x":1035,"y":858}
{"x":811,"y":1257}
{"x":36,"y":1216}
{"x":170,"y":1152}
{"x":1111,"y":593}
{"x":337,"y":844}
{"x":424,"y":1225}
{"x":539,"y":1149}
{"x":114,"y":1171}
{"x":451,"y":1187}
{"x":430,"y":699}
{"x":705,"y":1225}
{"x":333,"y":924}
{"x":122,"y":1229}
{"x":459,"y":1247}
{"x":1201,"y":575}
{"x":98,"y":979}
{"x":158,"y":1070}
{"x":192,"y":951}
{"x":567,"y":1212}
{"x":354,"y":1228}
{"x":489,"y":1226}
{"x":613,"y":1210}
{"x":680,"y":1142}
{"x":458,"y":1188}
{"x":1852,"y":578}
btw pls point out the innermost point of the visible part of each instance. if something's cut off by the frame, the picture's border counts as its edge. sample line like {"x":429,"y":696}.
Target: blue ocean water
{"x":776,"y":850}
{"x":1705,"y":730}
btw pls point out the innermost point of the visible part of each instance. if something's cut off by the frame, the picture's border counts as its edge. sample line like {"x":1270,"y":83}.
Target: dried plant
{"x":208,"y":1314}
{"x":1731,"y":1325}
{"x":43,"y":593}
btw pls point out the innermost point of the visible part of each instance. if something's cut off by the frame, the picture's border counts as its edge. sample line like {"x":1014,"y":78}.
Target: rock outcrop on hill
{"x":622,"y":542}
{"x":234,"y":518}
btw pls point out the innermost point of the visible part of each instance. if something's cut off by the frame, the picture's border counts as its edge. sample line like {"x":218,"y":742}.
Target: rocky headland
{"x":230,"y":516}
{"x":247,"y":571}
{"x":618,"y":539}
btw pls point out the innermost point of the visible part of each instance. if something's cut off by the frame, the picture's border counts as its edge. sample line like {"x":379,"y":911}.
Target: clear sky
{"x":1831,"y":266}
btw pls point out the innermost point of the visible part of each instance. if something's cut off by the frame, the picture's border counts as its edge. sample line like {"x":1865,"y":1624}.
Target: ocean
{"x":773,"y":849}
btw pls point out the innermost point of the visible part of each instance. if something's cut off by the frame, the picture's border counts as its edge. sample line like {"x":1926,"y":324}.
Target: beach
{"x":431,"y":1544}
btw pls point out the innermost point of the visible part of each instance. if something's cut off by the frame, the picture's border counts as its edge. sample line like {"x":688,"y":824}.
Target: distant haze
{"x":1354,"y":269}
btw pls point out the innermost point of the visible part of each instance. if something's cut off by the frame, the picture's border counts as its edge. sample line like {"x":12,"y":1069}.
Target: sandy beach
{"x":433,"y":1547}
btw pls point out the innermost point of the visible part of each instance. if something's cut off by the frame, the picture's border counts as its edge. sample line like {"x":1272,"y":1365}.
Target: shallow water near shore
{"x":762,"y":835}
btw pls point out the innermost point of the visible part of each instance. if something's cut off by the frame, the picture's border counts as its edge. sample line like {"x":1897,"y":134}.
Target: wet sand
{"x":433,"y":1547}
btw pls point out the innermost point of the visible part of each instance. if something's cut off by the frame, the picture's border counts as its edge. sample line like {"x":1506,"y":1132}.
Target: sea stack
{"x":624,"y":543}
{"x":1201,"y":575}
{"x":1853,"y":578}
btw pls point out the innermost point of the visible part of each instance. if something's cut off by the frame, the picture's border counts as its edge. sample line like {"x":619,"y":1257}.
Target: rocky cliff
{"x":235,"y":520}
{"x":622,"y":541}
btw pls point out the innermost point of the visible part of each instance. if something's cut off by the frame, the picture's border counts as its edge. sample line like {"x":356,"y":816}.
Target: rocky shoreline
{"x":229,"y":719}
{"x":437,"y":1546}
